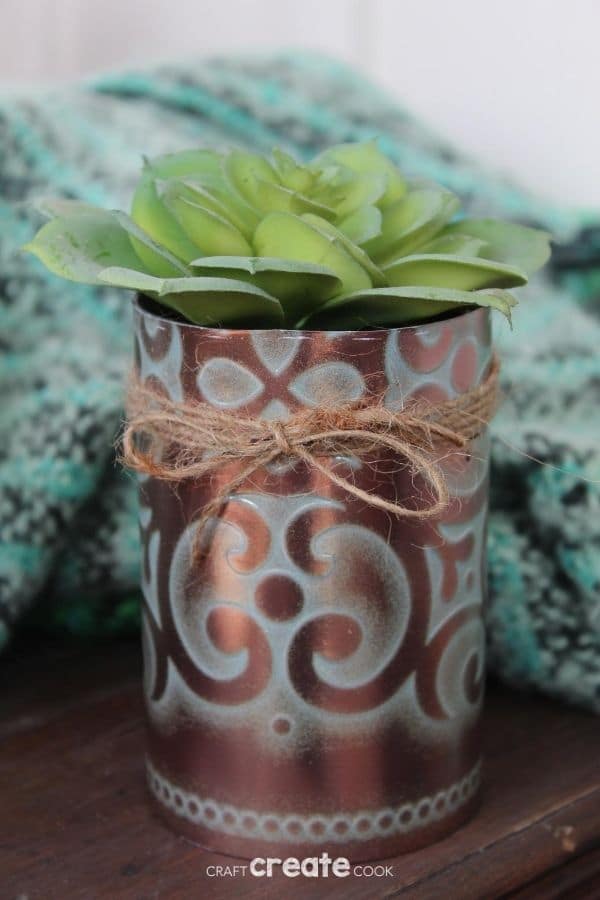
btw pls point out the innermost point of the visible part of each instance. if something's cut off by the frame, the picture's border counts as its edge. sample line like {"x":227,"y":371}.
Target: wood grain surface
{"x":75,"y":821}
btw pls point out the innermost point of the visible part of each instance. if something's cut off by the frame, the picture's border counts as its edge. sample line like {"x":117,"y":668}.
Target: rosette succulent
{"x":241,"y":240}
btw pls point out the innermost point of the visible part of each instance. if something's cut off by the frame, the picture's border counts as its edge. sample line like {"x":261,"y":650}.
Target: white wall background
{"x":514,"y":82}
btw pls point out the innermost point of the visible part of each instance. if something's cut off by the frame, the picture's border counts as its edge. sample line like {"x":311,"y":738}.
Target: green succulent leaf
{"x":243,"y":169}
{"x":212,"y":194}
{"x":359,"y":256}
{"x":411,"y":221}
{"x":149,"y":212}
{"x":175,"y":189}
{"x":220,"y":302}
{"x":365,"y":159}
{"x":460,"y":273}
{"x":160,"y":257}
{"x":362,"y":225}
{"x":455,"y":244}
{"x":289,"y":237}
{"x":257,"y":182}
{"x":350,"y":192}
{"x":526,"y":248}
{"x":187,"y":162}
{"x":211,"y":234}
{"x":390,"y":307}
{"x":79,"y":245}
{"x":268,"y":197}
{"x":300,"y":287}
{"x":292,"y":174}
{"x":131,"y":280}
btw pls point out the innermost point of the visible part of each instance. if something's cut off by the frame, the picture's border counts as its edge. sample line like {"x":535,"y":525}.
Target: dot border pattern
{"x":361,"y":825}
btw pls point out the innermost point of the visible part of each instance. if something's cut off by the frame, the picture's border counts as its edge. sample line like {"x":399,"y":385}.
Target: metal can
{"x":315,"y":683}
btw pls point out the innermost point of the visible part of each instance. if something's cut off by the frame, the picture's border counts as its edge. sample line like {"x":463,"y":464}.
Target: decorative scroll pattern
{"x":331,"y":618}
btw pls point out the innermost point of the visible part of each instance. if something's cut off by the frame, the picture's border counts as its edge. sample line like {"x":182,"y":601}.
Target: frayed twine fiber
{"x":181,"y":441}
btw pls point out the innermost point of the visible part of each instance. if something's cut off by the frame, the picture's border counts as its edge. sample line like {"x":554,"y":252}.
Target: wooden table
{"x":75,"y":822}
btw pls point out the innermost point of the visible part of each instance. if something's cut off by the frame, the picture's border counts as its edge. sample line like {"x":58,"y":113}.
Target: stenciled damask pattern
{"x":317,"y":632}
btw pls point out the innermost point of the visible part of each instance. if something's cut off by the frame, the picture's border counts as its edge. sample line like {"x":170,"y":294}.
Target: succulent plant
{"x":342,"y":242}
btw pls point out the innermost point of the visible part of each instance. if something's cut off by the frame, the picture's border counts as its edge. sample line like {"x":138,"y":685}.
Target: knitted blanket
{"x":68,"y":533}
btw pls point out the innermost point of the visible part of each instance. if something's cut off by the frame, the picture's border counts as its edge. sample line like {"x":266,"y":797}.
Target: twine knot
{"x":178,"y":441}
{"x":280,"y":438}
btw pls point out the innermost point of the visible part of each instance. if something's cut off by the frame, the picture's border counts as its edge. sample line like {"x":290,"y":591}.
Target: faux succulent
{"x":244,"y":241}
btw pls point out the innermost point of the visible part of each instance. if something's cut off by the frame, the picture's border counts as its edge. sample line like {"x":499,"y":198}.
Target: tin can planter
{"x":316,"y":682}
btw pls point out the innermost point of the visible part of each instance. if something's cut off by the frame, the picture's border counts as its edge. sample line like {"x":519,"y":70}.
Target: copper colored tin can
{"x":316,"y":682}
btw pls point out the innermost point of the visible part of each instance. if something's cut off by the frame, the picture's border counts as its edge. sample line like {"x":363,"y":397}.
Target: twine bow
{"x":182,"y":441}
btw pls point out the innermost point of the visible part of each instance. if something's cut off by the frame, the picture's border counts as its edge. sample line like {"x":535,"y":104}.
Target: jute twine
{"x":188,"y":441}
